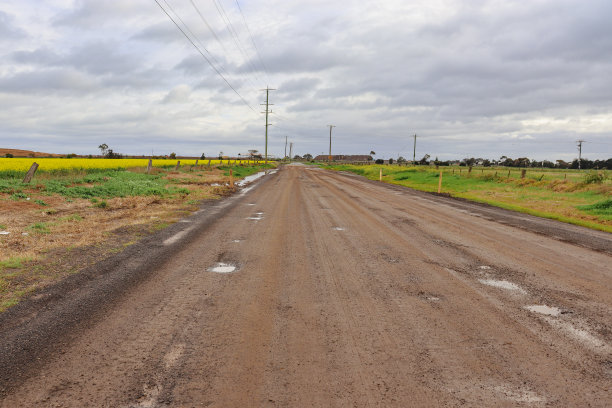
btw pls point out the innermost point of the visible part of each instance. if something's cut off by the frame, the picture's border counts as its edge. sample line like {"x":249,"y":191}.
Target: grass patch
{"x":72,"y":217}
{"x":13,"y":263}
{"x":602,"y":208}
{"x":39,"y":228}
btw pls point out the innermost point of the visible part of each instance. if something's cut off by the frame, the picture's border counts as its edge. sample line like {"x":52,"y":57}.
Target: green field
{"x":573,"y":196}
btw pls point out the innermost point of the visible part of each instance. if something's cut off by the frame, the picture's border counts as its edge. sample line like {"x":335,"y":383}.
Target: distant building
{"x":345,"y":157}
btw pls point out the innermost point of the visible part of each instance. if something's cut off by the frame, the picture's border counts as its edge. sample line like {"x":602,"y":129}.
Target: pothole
{"x":545,"y":310}
{"x":222,"y":267}
{"x":502,"y":284}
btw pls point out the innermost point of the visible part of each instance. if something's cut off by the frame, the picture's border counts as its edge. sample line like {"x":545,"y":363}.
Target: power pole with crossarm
{"x":267,"y":104}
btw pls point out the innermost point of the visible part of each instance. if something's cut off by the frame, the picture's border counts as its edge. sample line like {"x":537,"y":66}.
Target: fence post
{"x":30,"y":173}
{"x":149,"y":166}
{"x":178,"y":164}
{"x":440,"y":183}
{"x":523,"y":173}
{"x":380,"y":175}
{"x":231,"y":178}
{"x":208,"y":162}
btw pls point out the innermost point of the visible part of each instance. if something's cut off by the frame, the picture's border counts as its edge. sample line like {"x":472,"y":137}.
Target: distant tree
{"x":379,"y":161}
{"x":470,"y":162}
{"x":522,"y":162}
{"x":390,"y":161}
{"x":203,"y":156}
{"x":112,"y":155}
{"x":103,"y":148}
{"x":172,"y":155}
{"x":253,"y":152}
{"x":372,"y":152}
{"x":486,"y":163}
{"x":9,"y":155}
{"x":220,"y":155}
{"x":425,"y":159}
{"x":297,"y":157}
{"x":308,"y":156}
{"x":401,"y":160}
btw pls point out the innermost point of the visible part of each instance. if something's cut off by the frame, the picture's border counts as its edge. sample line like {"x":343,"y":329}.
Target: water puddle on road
{"x":543,"y":309}
{"x":256,"y":217}
{"x":338,"y":228}
{"x":222,"y":267}
{"x":502,"y":284}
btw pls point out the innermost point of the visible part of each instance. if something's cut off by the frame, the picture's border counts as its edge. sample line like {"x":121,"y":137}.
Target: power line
{"x":234,"y":34}
{"x":253,"y":84}
{"x":253,"y":40}
{"x":204,"y":56}
{"x":207,"y":25}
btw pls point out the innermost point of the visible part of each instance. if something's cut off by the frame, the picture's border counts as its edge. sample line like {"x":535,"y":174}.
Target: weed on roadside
{"x":39,"y":228}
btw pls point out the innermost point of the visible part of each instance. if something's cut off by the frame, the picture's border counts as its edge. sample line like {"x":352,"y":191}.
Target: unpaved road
{"x":347,"y":293}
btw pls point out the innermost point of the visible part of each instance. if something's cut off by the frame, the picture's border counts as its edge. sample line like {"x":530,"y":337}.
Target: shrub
{"x":594,"y":177}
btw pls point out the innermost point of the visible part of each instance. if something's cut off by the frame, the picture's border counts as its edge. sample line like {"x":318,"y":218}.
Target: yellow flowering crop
{"x":50,"y":164}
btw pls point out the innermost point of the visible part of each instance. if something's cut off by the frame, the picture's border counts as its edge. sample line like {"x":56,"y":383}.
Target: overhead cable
{"x":204,"y":56}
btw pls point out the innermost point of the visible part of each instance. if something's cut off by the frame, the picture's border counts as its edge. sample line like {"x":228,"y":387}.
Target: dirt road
{"x":346,"y":292}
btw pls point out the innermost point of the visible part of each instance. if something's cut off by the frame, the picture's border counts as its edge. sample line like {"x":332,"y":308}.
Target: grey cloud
{"x":64,"y":80}
{"x":96,"y":14}
{"x":8,"y":29}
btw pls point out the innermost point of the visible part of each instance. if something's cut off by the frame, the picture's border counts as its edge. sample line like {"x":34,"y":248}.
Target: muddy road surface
{"x":322,"y":289}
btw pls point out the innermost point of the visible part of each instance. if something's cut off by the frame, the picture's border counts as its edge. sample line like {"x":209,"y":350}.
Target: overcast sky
{"x":471,"y":78}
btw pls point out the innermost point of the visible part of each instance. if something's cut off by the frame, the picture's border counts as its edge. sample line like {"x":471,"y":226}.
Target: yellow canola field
{"x":50,"y":164}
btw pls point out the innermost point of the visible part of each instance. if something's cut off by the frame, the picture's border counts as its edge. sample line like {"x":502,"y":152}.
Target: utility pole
{"x":285,"y":158}
{"x":580,"y":142}
{"x":414,"y":151}
{"x":290,"y":150}
{"x":330,"y":132}
{"x":267,"y":112}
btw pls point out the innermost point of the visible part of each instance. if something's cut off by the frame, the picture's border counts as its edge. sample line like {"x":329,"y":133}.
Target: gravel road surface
{"x":321,"y":289}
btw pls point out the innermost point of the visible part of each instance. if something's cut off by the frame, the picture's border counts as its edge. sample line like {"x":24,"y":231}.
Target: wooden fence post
{"x":149,"y":166}
{"x":30,"y":173}
{"x":178,"y":164}
{"x":208,"y":162}
{"x":440,"y":183}
{"x":380,"y":175}
{"x":523,"y":172}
